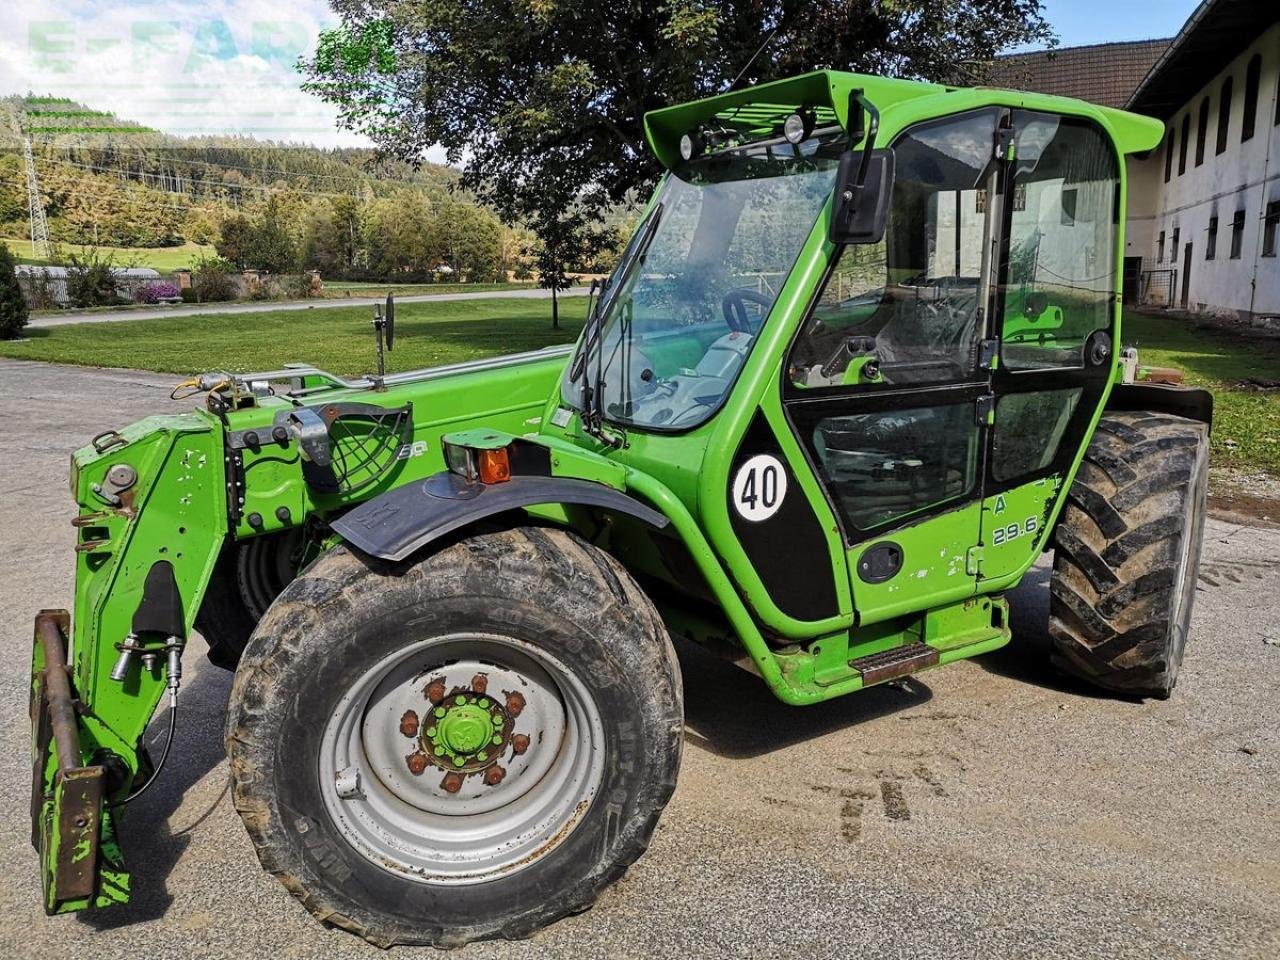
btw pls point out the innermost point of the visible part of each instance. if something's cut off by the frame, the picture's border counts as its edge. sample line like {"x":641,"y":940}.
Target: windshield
{"x":691,"y":291}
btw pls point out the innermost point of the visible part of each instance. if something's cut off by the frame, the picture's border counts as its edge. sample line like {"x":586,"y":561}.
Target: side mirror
{"x":864,"y":191}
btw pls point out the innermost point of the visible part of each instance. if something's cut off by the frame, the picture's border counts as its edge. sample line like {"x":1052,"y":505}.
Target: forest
{"x":276,"y":207}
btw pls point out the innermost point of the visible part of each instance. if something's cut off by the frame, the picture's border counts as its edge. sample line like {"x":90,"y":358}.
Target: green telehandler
{"x":857,"y":368}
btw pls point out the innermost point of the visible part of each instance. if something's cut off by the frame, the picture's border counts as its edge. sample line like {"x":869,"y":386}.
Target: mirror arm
{"x":863,"y":131}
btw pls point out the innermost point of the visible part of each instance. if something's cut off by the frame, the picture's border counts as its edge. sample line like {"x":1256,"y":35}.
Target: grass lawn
{"x":1246,"y":427}
{"x":163,"y":259}
{"x":339,"y":339}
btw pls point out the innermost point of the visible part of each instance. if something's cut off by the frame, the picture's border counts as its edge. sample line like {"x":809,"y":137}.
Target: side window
{"x":1062,"y":256}
{"x":1029,"y":430}
{"x":905,"y":312}
{"x":882,"y":467}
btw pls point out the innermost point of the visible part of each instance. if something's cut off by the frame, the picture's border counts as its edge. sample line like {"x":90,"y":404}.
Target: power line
{"x":227,"y":166}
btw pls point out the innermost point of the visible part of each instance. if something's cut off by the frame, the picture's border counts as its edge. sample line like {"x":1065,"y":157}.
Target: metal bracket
{"x":988,"y":350}
{"x":984,"y":410}
{"x":973,"y":561}
{"x":312,"y":433}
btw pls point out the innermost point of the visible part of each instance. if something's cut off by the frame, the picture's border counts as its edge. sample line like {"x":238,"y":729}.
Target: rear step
{"x":898,"y":662}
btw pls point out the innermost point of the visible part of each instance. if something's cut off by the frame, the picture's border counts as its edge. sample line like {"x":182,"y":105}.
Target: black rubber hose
{"x":168,"y":742}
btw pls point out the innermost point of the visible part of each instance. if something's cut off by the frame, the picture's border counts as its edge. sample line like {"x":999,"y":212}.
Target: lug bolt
{"x":461,"y":700}
{"x":435,"y":691}
{"x":479,"y":683}
{"x":515,"y":703}
{"x":409,"y":724}
{"x":493,"y":776}
{"x":440,"y":712}
{"x":519,"y":743}
{"x":417,"y":763}
{"x":451,"y":783}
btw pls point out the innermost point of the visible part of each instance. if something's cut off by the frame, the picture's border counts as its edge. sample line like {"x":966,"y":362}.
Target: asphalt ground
{"x":991,"y":809}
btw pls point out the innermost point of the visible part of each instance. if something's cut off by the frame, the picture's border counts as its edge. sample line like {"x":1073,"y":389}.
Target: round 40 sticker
{"x":759,"y":487}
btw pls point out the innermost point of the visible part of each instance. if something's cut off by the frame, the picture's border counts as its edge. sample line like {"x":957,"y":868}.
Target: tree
{"x":236,"y":240}
{"x":13,"y":306}
{"x":545,"y":99}
{"x":275,"y":246}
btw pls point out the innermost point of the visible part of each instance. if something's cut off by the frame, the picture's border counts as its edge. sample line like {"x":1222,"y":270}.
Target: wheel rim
{"x":462,"y":758}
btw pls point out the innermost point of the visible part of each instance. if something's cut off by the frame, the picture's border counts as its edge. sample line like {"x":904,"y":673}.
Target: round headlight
{"x":797,"y":127}
{"x":690,"y":146}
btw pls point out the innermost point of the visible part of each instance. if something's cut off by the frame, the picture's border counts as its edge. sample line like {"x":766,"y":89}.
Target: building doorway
{"x":1132,"y":280}
{"x":1186,"y":275}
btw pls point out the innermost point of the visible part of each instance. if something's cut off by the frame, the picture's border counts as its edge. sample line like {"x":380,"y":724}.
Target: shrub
{"x":40,"y":290}
{"x":155,"y":291}
{"x":189,"y":295}
{"x":212,"y":280}
{"x":91,"y":280}
{"x":13,"y":307}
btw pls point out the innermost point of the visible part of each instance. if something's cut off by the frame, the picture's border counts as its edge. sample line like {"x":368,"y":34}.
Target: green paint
{"x":958,"y":555}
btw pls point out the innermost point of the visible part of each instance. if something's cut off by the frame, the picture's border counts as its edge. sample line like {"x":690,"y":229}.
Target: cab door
{"x":1056,"y":309}
{"x":888,"y":385}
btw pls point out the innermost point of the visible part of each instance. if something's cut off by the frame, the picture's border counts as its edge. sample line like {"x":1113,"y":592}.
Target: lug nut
{"x":451,"y":783}
{"x":519,"y":743}
{"x":515,"y":703}
{"x":493,"y":776}
{"x":417,"y":763}
{"x":435,"y":691}
{"x":479,"y":683}
{"x":409,"y":724}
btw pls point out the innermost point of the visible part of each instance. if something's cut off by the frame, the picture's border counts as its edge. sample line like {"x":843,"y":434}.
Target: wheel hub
{"x":464,"y":731}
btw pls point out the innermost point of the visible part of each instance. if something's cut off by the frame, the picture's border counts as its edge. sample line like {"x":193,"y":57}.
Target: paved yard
{"x":990,"y":810}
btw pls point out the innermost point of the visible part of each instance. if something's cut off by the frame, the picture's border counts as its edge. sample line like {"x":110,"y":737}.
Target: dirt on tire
{"x":1127,"y":553}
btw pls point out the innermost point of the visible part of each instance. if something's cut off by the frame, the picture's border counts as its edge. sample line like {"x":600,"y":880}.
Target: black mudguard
{"x":1190,"y":402}
{"x":397,"y":523}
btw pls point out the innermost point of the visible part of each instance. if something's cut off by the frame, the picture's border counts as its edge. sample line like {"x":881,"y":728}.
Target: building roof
{"x":1104,"y":73}
{"x":1210,"y":39}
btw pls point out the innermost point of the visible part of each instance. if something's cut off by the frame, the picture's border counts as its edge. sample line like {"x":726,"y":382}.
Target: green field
{"x":163,"y":259}
{"x":1247,"y":420}
{"x":1246,"y":427}
{"x":339,"y":339}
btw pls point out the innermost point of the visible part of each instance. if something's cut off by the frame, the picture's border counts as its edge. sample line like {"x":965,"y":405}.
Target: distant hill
{"x":108,"y":180}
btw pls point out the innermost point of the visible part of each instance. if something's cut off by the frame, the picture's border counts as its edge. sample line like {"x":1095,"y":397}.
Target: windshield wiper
{"x":593,"y":396}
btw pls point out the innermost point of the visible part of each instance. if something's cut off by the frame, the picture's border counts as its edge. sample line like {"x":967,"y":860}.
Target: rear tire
{"x":322,"y":747}
{"x":1127,"y":553}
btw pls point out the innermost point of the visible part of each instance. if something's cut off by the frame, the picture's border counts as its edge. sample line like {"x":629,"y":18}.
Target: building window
{"x":1237,"y":234}
{"x":1211,"y":242}
{"x":1168,"y":153}
{"x":1224,"y":115}
{"x":1173,"y":245}
{"x":1182,"y":147}
{"x":1160,"y":248}
{"x":1252,"y":77}
{"x":1270,"y":227}
{"x":1202,"y":130}
{"x":1069,"y":198}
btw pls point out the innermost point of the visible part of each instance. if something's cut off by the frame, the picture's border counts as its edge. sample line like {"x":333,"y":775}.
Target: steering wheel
{"x":734,"y":306}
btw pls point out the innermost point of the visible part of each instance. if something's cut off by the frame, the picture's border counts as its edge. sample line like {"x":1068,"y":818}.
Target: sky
{"x":193,"y":67}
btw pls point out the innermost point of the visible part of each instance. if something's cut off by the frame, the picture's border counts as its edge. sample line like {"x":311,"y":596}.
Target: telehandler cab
{"x":856,"y":370}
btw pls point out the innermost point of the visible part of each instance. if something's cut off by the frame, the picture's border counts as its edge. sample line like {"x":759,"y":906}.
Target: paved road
{"x":990,"y":811}
{"x":193,"y":310}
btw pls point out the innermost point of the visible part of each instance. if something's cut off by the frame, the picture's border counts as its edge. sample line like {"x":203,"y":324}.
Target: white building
{"x":1203,"y":232}
{"x":1206,"y":206}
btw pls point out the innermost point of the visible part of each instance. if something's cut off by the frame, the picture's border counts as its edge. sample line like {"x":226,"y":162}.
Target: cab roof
{"x":759,"y":111}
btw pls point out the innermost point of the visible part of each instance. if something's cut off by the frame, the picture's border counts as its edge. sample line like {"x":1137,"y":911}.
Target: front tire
{"x":469,"y":746}
{"x":1127,"y":553}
